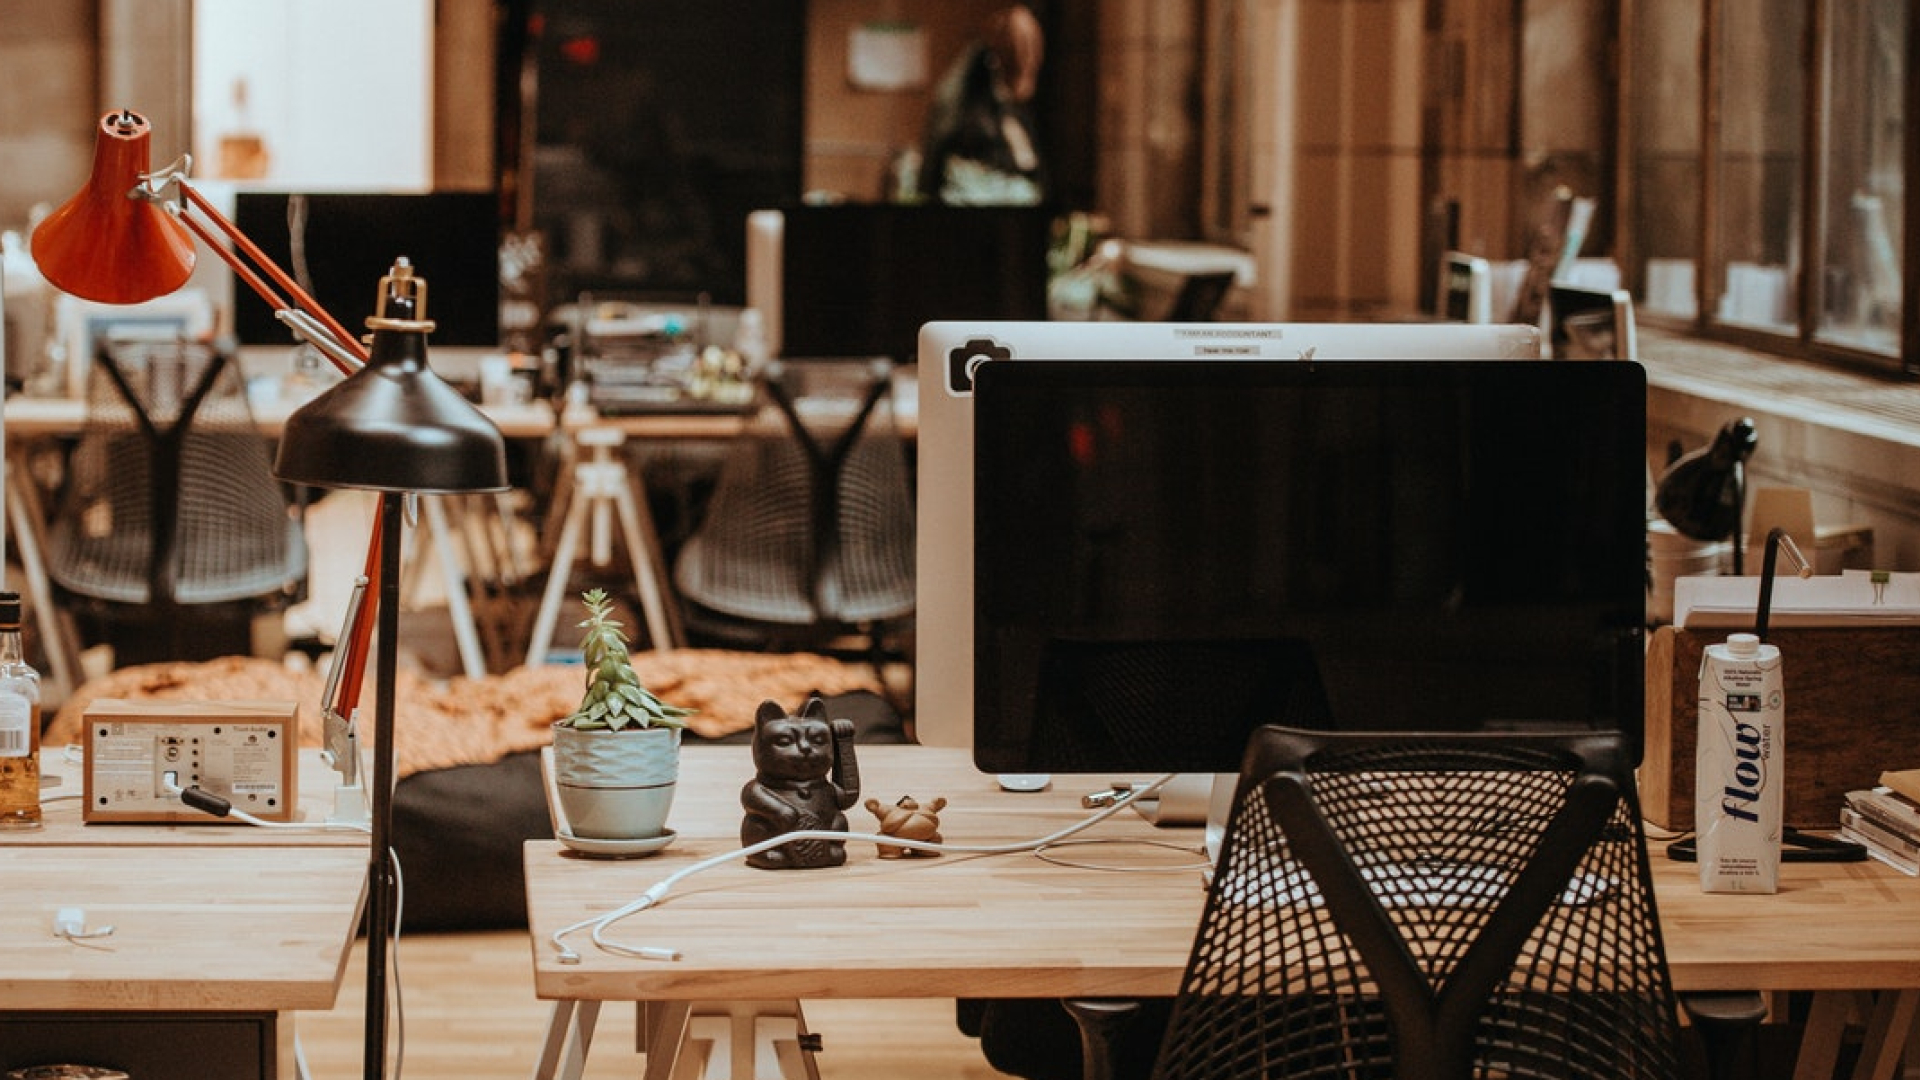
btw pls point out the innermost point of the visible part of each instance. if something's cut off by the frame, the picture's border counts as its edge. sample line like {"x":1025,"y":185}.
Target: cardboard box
{"x":1852,"y":711}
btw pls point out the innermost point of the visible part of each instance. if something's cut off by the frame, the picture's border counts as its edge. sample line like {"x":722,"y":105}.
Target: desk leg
{"x":752,"y":1040}
{"x":1888,"y":1026}
{"x":660,"y":1032}
{"x":1820,"y":1042}
{"x":649,"y":567}
{"x":569,"y":1036}
{"x":27,"y":529}
{"x":1890,"y":1019}
{"x":466,"y":634}
{"x":595,"y":485}
{"x":550,"y":600}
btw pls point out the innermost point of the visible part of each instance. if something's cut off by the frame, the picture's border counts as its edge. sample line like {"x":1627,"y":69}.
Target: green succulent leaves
{"x":615,"y":700}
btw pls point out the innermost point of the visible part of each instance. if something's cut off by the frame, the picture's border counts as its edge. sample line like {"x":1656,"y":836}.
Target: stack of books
{"x":1886,"y":820}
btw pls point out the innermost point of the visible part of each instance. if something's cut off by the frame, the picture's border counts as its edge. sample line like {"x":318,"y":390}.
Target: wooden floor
{"x":470,"y":1014}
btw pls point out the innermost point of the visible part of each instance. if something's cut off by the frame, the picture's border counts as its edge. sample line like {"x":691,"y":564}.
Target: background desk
{"x":1013,"y":926}
{"x":218,"y":930}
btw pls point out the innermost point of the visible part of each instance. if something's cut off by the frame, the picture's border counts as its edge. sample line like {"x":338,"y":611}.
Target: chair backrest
{"x":1201,"y":296}
{"x":1429,"y":907}
{"x":811,"y":520}
{"x":171,"y":498}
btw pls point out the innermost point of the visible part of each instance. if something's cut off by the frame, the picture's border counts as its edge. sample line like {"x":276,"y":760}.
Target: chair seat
{"x":772,"y":593}
{"x":96,"y":569}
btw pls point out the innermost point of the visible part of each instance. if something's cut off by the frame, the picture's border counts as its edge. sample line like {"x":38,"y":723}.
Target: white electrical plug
{"x":70,"y":922}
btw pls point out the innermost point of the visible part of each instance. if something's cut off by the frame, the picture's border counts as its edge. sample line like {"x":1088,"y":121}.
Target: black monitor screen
{"x":1168,"y":555}
{"x":859,"y":279}
{"x":352,"y":240}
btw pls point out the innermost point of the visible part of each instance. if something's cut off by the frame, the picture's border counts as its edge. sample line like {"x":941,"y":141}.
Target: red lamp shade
{"x":109,"y":243}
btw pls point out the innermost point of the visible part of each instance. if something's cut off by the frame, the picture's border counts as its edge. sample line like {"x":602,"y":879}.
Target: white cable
{"x":173,"y":788}
{"x":658,"y":893}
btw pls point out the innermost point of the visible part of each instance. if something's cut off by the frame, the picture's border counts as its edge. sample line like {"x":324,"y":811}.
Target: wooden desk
{"x":63,"y":418}
{"x":1015,"y":926}
{"x":218,"y":931}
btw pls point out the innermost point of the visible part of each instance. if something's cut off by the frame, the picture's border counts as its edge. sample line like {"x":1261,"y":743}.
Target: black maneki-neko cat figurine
{"x":805,"y":777}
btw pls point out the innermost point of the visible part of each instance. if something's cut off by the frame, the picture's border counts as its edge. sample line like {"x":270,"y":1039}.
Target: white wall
{"x":341,"y":89}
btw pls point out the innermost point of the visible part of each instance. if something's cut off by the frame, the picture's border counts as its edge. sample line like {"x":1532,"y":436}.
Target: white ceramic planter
{"x":616,"y":785}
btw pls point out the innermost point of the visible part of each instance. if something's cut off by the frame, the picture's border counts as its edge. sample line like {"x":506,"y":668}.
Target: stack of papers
{"x":1850,"y":598}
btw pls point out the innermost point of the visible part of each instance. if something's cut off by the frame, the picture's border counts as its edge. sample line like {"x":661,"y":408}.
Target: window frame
{"x":1804,"y":340}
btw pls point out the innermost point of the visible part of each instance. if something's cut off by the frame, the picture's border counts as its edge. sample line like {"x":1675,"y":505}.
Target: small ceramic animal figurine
{"x":908,"y":820}
{"x":805,"y":776}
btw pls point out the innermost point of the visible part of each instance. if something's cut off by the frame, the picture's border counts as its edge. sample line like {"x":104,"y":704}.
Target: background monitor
{"x":1466,"y":288}
{"x":859,"y":279}
{"x":1589,"y":323}
{"x":1168,"y":555}
{"x":950,"y":352}
{"x":347,"y":242}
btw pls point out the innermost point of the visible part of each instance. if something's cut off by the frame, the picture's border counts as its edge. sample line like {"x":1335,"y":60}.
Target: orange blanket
{"x":440,"y":723}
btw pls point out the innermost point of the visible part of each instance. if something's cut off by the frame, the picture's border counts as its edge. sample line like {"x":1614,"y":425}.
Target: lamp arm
{"x":243,"y":256}
{"x":1777,"y":541}
{"x":349,"y":670}
{"x":340,"y":737}
{"x":314,"y":332}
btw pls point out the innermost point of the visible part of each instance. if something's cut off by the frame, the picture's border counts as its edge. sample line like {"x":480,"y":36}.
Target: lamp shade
{"x":1701,"y":493}
{"x":110,"y":243}
{"x":394,"y":425}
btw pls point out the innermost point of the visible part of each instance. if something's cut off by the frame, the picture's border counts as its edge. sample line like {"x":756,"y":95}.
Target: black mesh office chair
{"x":172,"y":530}
{"x":1414,"y":907}
{"x":808,"y":536}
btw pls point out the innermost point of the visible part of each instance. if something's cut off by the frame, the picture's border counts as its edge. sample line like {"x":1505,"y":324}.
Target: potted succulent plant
{"x":616,"y":758}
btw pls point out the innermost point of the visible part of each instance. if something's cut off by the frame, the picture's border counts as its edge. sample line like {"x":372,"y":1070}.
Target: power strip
{"x":137,"y":753}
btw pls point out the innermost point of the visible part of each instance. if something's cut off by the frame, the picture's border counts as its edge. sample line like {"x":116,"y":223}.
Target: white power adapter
{"x":70,"y":922}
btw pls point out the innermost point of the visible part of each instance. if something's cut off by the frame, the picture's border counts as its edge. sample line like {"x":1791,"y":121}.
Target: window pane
{"x":1665,"y":126}
{"x":1861,"y":266}
{"x":1762,"y":142}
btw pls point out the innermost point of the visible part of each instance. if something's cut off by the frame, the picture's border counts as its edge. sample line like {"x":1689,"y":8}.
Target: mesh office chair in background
{"x":1431,"y":906}
{"x":808,"y":536}
{"x":172,"y":530}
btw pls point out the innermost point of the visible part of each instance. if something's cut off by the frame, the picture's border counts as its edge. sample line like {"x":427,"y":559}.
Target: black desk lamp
{"x":393,"y":427}
{"x":1703,"y":493}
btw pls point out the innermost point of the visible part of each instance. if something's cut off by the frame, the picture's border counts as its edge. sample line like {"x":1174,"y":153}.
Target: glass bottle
{"x":19,"y":724}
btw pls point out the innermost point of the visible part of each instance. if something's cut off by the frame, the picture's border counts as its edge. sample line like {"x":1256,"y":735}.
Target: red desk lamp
{"x":391,"y":426}
{"x":121,"y":241}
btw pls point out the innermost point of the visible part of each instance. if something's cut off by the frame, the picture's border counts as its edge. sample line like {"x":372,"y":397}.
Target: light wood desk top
{"x":206,"y":918}
{"x":200,"y":928}
{"x":1011,"y":925}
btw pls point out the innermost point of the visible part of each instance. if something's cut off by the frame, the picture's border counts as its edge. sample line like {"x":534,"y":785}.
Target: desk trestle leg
{"x":752,"y":1040}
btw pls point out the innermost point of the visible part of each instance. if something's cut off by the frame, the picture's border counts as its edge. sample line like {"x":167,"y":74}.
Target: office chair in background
{"x":808,"y":536}
{"x":1431,"y":906}
{"x":172,"y":530}
{"x":1201,"y":296}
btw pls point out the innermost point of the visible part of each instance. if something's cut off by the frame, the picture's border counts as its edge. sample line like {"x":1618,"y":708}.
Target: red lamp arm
{"x":259,"y":258}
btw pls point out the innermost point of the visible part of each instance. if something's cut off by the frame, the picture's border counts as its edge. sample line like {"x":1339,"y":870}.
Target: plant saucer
{"x":616,"y":849}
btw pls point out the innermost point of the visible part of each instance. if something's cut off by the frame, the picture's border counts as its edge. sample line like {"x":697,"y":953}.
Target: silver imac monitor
{"x":949,"y":353}
{"x":1466,"y":288}
{"x":1590,"y":323}
{"x":1169,"y":555}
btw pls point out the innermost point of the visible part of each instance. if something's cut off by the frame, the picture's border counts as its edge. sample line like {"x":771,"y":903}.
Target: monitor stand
{"x":1204,"y":799}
